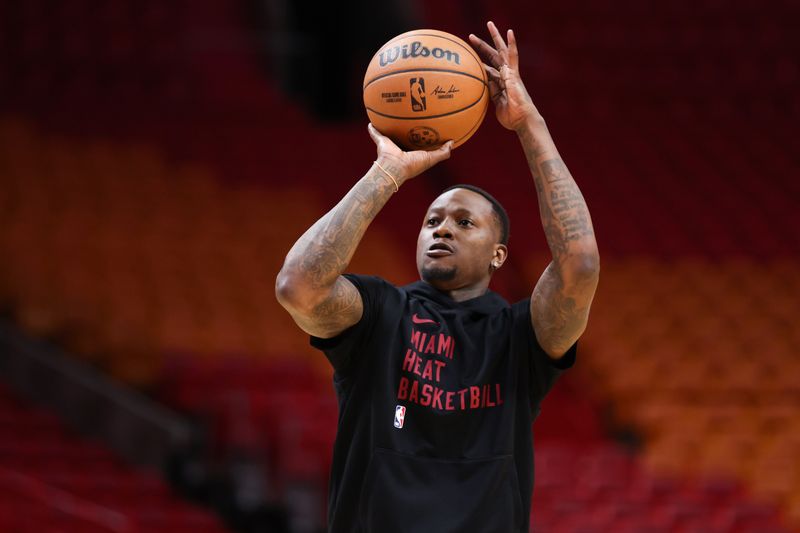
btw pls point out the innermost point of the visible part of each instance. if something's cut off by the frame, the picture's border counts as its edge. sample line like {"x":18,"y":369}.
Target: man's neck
{"x":462,"y":294}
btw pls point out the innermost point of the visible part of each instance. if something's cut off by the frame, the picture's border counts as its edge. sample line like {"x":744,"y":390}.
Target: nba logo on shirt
{"x":399,"y":416}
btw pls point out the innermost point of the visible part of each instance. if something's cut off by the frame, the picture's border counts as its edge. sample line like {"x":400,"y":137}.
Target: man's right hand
{"x":406,"y":165}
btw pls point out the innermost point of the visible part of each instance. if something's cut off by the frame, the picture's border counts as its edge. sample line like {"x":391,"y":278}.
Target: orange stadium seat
{"x":713,"y":391}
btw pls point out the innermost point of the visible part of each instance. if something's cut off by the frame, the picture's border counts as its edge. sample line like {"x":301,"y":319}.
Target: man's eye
{"x":465,"y":222}
{"x":432,"y":221}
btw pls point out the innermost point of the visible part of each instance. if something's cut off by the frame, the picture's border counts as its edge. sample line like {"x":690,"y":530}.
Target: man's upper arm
{"x":560,"y":310}
{"x":339,"y":310}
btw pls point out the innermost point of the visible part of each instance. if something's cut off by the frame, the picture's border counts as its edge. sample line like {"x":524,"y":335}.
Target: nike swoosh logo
{"x":417,"y":320}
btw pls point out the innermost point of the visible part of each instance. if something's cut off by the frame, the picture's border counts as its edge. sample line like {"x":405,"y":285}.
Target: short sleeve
{"x":543,"y":370}
{"x":343,"y":349}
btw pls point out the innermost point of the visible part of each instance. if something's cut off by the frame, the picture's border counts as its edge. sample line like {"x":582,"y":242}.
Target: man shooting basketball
{"x":439,"y":381}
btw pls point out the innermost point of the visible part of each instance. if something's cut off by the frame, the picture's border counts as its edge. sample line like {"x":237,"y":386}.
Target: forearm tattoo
{"x":562,"y":297}
{"x":562,"y":208}
{"x":326,"y":249}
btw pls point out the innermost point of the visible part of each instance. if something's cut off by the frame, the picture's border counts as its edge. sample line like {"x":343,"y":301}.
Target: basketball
{"x":424,"y":88}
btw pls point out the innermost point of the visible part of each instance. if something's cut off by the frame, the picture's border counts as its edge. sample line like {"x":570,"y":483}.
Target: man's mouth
{"x":439,"y":249}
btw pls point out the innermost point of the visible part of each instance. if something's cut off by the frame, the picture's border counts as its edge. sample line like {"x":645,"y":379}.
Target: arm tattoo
{"x":562,"y":207}
{"x":565,"y":217}
{"x":328,"y":246}
{"x":327,"y":303}
{"x":562,"y":297}
{"x":343,"y":298}
{"x":558,"y":318}
{"x":534,"y":150}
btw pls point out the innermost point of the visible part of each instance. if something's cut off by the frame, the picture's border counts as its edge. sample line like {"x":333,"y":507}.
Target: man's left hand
{"x":513,"y":104}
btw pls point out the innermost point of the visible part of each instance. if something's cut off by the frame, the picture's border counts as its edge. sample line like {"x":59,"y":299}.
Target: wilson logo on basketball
{"x":416,"y":49}
{"x":418,"y":100}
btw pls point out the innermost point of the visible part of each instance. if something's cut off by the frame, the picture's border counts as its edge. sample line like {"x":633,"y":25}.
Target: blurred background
{"x":158,"y":159}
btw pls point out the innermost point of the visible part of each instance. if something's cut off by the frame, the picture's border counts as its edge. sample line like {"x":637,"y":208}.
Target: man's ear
{"x":499,"y":257}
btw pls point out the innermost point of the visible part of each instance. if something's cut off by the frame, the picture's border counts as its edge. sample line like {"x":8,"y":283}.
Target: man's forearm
{"x":324,"y":251}
{"x":562,"y":208}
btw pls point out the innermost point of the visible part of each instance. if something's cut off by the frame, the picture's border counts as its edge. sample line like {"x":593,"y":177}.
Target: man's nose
{"x":442,"y":231}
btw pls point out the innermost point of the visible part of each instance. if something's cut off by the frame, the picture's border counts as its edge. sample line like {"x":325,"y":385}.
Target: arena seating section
{"x":150,"y":185}
{"x":53,"y":480}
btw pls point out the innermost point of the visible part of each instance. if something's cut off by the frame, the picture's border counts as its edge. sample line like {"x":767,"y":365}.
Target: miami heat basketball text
{"x":424,"y":363}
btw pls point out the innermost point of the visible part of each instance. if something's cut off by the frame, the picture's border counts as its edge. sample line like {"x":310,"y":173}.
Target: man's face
{"x":459,"y":241}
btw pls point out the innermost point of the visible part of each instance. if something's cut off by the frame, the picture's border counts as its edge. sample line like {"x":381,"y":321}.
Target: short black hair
{"x":497,"y":208}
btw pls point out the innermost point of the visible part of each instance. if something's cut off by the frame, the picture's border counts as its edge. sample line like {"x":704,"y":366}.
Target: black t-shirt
{"x":436,"y":401}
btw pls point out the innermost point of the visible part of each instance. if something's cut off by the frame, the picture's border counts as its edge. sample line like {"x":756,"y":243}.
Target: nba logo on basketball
{"x":418,"y":94}
{"x":399,"y":416}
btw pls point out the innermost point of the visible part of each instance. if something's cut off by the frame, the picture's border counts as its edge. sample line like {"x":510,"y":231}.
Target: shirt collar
{"x":487,"y":303}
